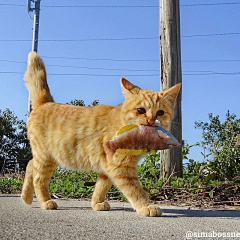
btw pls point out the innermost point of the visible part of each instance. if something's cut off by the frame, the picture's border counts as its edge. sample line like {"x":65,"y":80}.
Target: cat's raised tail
{"x":36,"y":81}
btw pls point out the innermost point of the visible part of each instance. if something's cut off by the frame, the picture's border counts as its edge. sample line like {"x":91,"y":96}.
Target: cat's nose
{"x":151,"y":121}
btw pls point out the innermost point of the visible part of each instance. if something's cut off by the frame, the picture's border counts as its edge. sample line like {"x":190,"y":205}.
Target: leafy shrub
{"x":149,"y":172}
{"x":13,"y":138}
{"x":10,"y":185}
{"x":71,"y":183}
{"x":219,"y":139}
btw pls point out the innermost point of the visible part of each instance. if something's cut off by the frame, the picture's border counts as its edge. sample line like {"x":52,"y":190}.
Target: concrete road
{"x":76,"y":220}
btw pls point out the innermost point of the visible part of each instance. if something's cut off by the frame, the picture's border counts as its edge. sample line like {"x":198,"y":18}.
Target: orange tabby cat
{"x":73,"y":137}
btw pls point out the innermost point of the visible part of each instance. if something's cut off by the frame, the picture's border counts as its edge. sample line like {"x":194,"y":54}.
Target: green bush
{"x":10,"y":185}
{"x":71,"y":183}
{"x":149,"y":172}
{"x":219,"y":140}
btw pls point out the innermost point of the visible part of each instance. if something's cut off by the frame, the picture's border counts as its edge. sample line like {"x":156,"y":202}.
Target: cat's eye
{"x":141,"y":110}
{"x":160,"y":112}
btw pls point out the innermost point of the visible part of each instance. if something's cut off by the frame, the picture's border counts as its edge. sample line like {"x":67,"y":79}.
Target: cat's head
{"x":145,"y":107}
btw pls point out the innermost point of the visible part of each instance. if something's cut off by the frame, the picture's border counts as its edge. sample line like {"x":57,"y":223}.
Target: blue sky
{"x":100,"y":43}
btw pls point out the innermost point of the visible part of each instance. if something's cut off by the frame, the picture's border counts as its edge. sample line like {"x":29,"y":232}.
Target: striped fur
{"x":73,"y":137}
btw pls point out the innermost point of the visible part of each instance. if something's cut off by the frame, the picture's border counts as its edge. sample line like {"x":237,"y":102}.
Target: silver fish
{"x":137,"y":140}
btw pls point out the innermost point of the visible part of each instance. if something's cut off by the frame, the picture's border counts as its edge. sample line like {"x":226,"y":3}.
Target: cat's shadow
{"x":171,"y":213}
{"x":174,"y":213}
{"x":118,"y":209}
{"x":168,"y":212}
{"x":178,"y":213}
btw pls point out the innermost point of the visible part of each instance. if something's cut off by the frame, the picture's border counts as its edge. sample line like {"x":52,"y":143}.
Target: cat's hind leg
{"x":27,"y":189}
{"x":42,"y":172}
{"x":102,"y":187}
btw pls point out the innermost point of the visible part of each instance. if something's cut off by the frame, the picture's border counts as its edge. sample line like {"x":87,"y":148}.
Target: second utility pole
{"x":171,"y":74}
{"x":36,"y":25}
{"x":36,"y":10}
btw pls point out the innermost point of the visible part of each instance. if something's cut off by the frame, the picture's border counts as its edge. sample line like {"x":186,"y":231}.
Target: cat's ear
{"x":129,"y":87}
{"x":172,"y":93}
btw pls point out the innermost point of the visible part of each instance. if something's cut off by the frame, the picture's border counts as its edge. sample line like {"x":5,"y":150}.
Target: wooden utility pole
{"x":171,"y":74}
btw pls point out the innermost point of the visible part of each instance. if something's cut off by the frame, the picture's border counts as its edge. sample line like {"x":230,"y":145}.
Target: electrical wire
{"x":80,"y":40}
{"x":128,"y":75}
{"x":124,"y":6}
{"x":117,"y":39}
{"x":211,"y":35}
{"x":91,"y":68}
{"x":209,"y":4}
{"x":101,"y":59}
{"x":136,"y":60}
{"x":215,"y":61}
{"x":120,"y":60}
{"x":99,"y":6}
{"x":87,"y":74}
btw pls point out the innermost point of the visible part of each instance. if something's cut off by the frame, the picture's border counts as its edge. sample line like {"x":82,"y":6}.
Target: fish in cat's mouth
{"x":136,"y":140}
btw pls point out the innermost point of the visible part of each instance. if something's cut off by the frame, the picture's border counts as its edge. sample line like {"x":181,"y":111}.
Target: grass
{"x":67,"y":183}
{"x":193,"y":188}
{"x":10,"y":185}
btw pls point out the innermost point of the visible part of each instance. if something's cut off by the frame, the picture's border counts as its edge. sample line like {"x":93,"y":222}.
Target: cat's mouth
{"x":156,"y":124}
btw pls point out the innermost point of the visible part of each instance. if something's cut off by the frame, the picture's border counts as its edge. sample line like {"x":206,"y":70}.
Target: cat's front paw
{"x":103,"y":206}
{"x":49,"y":205}
{"x":150,"y":211}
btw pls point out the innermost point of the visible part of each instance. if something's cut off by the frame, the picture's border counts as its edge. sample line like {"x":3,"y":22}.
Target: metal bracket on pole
{"x":29,"y":8}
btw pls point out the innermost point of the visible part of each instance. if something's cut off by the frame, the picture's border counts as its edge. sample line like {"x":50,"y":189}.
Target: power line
{"x":124,"y":6}
{"x":87,"y":74}
{"x":215,"y":61}
{"x":118,"y":39}
{"x":6,"y":72}
{"x":212,"y":73}
{"x":91,"y":68}
{"x":102,"y":75}
{"x":81,"y":40}
{"x":12,"y":4}
{"x":11,"y":61}
{"x":122,"y":60}
{"x":98,"y":68}
{"x":82,"y":6}
{"x":102,"y":59}
{"x":209,"y":4}
{"x":99,"y":6}
{"x":185,"y":73}
{"x":190,"y":73}
{"x":205,"y":73}
{"x":211,"y":35}
{"x":136,"y":60}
